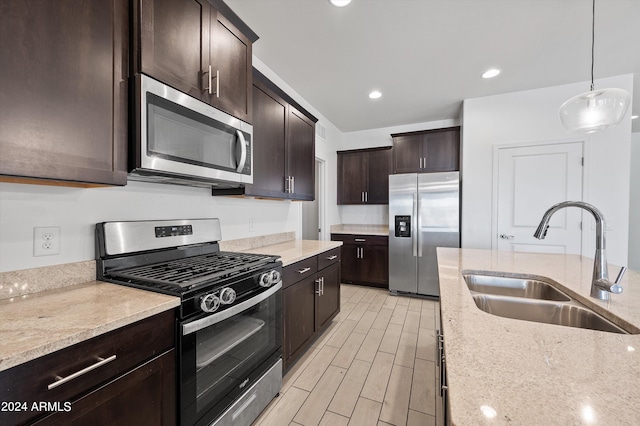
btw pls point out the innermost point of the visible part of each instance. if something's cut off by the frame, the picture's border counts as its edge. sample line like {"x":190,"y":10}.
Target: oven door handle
{"x":205,"y":322}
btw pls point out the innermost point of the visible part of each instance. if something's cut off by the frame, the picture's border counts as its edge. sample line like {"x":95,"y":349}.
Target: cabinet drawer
{"x":374,"y":240}
{"x":120,"y":351}
{"x":296,"y":271}
{"x":328,"y":258}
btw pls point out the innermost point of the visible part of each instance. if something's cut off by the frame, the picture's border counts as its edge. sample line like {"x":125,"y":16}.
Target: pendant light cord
{"x":593,"y":37}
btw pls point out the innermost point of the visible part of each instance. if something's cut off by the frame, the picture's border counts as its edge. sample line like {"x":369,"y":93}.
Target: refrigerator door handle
{"x":419,"y":227}
{"x":414,"y":238}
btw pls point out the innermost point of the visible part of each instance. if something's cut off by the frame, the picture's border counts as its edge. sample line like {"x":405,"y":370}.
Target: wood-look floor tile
{"x":390,"y":302}
{"x":415,"y":304}
{"x":345,"y":310}
{"x":314,"y":371}
{"x":378,"y":302}
{"x":417,"y":418}
{"x":390,"y":339}
{"x":357,"y":312}
{"x":370,"y":345}
{"x":333,"y":419}
{"x":429,"y":304}
{"x":294,"y":372}
{"x":368,"y":296}
{"x":423,"y":392}
{"x":404,"y":300}
{"x":326,"y":335}
{"x":399,"y":314}
{"x":347,"y":395}
{"x":426,"y":348}
{"x":382,"y":320}
{"x":376,"y":384}
{"x":396,"y":401}
{"x":406,"y":353}
{"x":358,"y":295}
{"x":311,"y":412}
{"x":427,"y":319}
{"x":412,"y":322}
{"x":366,"y":413}
{"x":341,"y":334}
{"x":365,"y":322}
{"x":348,"y":350}
{"x":285,"y":409}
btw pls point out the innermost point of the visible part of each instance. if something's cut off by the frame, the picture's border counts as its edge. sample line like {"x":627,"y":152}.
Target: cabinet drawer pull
{"x":332,"y":257}
{"x":360,"y":240}
{"x":303,"y":270}
{"x":62,"y":380}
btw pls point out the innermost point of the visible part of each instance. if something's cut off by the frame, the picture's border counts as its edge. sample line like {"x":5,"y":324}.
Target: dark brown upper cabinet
{"x":363,"y":176}
{"x":283,"y":146}
{"x":427,"y":151}
{"x":198,"y":47}
{"x":63,"y":91}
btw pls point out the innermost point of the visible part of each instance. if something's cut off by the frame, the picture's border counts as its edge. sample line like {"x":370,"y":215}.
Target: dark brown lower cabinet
{"x":124,"y":377}
{"x":365,"y":259}
{"x":310,"y":300}
{"x":144,"y":396}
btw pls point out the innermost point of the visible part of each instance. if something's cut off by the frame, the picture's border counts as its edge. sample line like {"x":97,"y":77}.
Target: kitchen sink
{"x":514,"y":287}
{"x":567,"y":313}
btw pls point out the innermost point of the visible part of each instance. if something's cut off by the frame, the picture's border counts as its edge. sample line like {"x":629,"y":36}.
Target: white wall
{"x":75,"y":210}
{"x":634,"y":205}
{"x":377,"y":214}
{"x":531,"y":116}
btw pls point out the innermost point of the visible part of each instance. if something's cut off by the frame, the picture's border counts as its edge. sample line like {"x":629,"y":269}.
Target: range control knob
{"x":275,"y":276}
{"x":210,"y":302}
{"x":227,"y":296}
{"x":265,"y":279}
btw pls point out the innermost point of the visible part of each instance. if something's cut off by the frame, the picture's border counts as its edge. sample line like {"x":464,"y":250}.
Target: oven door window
{"x":180,"y":134}
{"x":223,"y":359}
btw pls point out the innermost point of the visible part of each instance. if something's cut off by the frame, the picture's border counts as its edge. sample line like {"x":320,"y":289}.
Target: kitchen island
{"x":508,"y":371}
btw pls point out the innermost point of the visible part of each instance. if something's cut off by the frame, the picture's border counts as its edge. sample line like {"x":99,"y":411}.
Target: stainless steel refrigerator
{"x":424,"y":213}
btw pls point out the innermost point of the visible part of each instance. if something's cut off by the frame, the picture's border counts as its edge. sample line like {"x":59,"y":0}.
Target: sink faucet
{"x":601,"y":287}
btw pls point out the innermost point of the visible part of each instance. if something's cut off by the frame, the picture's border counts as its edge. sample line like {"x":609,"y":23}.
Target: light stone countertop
{"x":504,"y":371}
{"x":296,"y":250}
{"x":41,"y":323}
{"x":355,"y":229}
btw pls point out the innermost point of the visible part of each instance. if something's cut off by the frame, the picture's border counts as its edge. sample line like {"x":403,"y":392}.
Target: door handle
{"x":243,"y":151}
{"x":303,"y":270}
{"x":319,"y":290}
{"x":506,"y":237}
{"x":332,"y":257}
{"x":414,"y":239}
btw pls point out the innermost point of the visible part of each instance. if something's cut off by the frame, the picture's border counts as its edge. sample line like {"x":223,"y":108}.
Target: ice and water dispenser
{"x":403,"y":226}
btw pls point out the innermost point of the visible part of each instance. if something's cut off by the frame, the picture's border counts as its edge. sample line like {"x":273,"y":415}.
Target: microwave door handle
{"x":243,"y":151}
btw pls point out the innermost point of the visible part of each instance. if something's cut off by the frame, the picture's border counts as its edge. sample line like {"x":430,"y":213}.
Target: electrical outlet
{"x":46,"y":241}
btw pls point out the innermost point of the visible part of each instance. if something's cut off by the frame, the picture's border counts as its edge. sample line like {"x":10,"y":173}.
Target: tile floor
{"x":373,"y":366}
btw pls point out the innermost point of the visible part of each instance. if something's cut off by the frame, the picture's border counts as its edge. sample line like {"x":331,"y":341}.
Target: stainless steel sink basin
{"x":513,"y":286}
{"x":570,"y":314}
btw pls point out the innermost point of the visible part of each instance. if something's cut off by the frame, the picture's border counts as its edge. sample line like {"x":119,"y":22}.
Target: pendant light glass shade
{"x":594,"y":110}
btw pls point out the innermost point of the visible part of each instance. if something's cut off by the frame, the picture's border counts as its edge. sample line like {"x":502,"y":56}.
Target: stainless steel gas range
{"x":229,"y":324}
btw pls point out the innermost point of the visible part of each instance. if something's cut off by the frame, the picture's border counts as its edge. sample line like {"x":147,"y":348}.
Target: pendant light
{"x":597,"y":109}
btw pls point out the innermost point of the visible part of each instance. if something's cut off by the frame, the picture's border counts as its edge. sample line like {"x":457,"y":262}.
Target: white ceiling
{"x":426,"y":56}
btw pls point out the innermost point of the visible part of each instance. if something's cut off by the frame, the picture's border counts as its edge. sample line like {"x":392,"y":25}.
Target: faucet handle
{"x":616,"y":287}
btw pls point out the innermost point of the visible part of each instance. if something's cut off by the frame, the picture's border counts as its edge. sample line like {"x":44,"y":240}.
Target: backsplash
{"x":367,"y":215}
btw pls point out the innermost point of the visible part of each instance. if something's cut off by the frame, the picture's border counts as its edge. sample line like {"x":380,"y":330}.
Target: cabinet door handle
{"x":420,"y":162}
{"x":366,"y":196}
{"x":322,"y":286}
{"x":303,"y":270}
{"x":362,"y":197}
{"x":332,"y":257}
{"x":319,"y":290}
{"x":293,"y":184}
{"x":62,"y":380}
{"x":217,"y":83}
{"x":360,"y":240}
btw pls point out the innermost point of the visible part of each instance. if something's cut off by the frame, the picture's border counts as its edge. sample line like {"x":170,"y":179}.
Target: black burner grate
{"x":194,"y":270}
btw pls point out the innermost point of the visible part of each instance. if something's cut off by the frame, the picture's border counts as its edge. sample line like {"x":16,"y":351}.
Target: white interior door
{"x":531,"y":179}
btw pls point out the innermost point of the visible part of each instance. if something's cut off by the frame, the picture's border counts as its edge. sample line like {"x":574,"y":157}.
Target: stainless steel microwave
{"x":181,"y":140}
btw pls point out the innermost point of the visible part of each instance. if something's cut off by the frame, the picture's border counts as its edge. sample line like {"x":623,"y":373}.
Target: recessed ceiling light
{"x":491,"y":73}
{"x":375,"y":94}
{"x":633,"y":117}
{"x":340,"y":3}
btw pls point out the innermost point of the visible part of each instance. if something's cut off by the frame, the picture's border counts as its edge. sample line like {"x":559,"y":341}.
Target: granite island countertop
{"x":41,"y":323}
{"x":507,"y":371}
